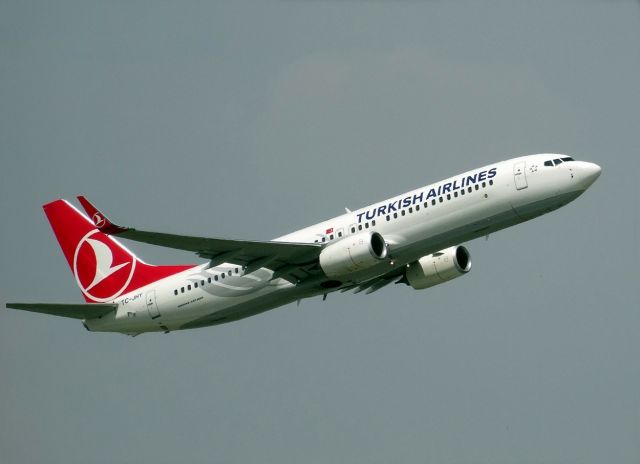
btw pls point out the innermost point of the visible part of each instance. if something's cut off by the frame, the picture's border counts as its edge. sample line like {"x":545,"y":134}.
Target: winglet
{"x":99,"y":219}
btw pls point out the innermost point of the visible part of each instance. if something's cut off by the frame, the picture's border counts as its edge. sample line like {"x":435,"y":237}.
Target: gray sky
{"x":252,"y":119}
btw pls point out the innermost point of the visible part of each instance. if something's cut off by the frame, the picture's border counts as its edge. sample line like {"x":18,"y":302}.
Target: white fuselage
{"x":413,"y":225}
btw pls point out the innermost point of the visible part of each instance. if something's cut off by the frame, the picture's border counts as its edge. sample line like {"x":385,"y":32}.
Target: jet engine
{"x":439,"y":267}
{"x":353,"y":253}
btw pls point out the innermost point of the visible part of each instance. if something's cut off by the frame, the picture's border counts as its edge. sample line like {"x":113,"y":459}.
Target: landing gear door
{"x":152,"y":306}
{"x":519,"y":175}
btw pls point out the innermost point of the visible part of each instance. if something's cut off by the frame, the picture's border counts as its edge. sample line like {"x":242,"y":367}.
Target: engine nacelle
{"x":353,"y":253}
{"x":439,"y":267}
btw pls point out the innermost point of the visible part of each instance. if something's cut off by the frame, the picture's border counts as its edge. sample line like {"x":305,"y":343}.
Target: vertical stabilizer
{"x":103,"y":268}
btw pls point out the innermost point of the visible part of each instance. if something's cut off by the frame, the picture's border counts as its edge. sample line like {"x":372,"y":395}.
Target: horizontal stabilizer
{"x":76,"y":311}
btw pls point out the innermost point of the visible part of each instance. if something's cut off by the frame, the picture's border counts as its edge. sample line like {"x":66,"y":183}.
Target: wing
{"x":293,"y":261}
{"x":75,"y":311}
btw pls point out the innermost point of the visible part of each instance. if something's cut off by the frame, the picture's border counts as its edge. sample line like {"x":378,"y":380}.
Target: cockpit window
{"x":558,"y":161}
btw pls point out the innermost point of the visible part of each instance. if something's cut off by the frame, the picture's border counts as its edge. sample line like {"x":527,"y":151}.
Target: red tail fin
{"x":104,"y":269}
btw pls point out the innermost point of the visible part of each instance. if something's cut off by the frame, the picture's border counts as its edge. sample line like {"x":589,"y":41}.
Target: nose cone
{"x":589,"y":172}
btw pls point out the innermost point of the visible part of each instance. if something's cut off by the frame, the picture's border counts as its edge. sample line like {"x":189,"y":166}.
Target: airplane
{"x":413,"y":238}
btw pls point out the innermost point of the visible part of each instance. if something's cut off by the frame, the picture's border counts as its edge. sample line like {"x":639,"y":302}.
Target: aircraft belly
{"x":258,"y":303}
{"x":537,"y":208}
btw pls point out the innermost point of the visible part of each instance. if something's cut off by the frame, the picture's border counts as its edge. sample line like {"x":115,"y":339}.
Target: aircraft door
{"x":152,"y":306}
{"x":519,"y":175}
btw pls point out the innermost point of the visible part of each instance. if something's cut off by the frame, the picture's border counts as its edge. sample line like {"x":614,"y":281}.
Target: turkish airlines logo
{"x":98,"y":220}
{"x":102,"y":275}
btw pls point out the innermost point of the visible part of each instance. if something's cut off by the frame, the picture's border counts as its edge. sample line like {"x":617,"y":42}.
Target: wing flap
{"x":75,"y":311}
{"x":375,"y":284}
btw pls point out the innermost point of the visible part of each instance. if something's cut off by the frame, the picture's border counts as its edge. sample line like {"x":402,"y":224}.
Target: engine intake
{"x":439,"y":267}
{"x":353,"y":253}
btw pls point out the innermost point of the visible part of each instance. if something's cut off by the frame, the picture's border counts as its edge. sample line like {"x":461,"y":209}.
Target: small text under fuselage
{"x":130,"y":299}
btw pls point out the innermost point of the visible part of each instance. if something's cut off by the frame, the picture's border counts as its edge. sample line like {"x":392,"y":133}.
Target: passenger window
{"x":324,"y":239}
{"x":373,"y":223}
{"x":448,"y":196}
{"x":195,"y":285}
{"x":491,"y":182}
{"x":339,"y":234}
{"x":331,"y":237}
{"x":477,"y":187}
{"x":395,"y":215}
{"x":175,"y":292}
{"x":388,"y":218}
{"x":440,"y":199}
{"x":359,"y":226}
{"x":188,"y":287}
{"x":470,"y":190}
{"x":484,"y":185}
{"x":426,"y":203}
{"x":215,"y":278}
{"x":209,"y":280}
{"x":455,"y":194}
{"x":181,"y":289}
{"x":237,"y":271}
{"x":202,"y":283}
{"x":366,"y":225}
{"x":433,"y":202}
{"x":353,"y":230}
{"x":403,"y":212}
{"x":417,"y":207}
{"x":462,"y":192}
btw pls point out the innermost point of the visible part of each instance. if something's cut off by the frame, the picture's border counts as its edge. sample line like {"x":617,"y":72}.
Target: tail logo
{"x":102,"y":275}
